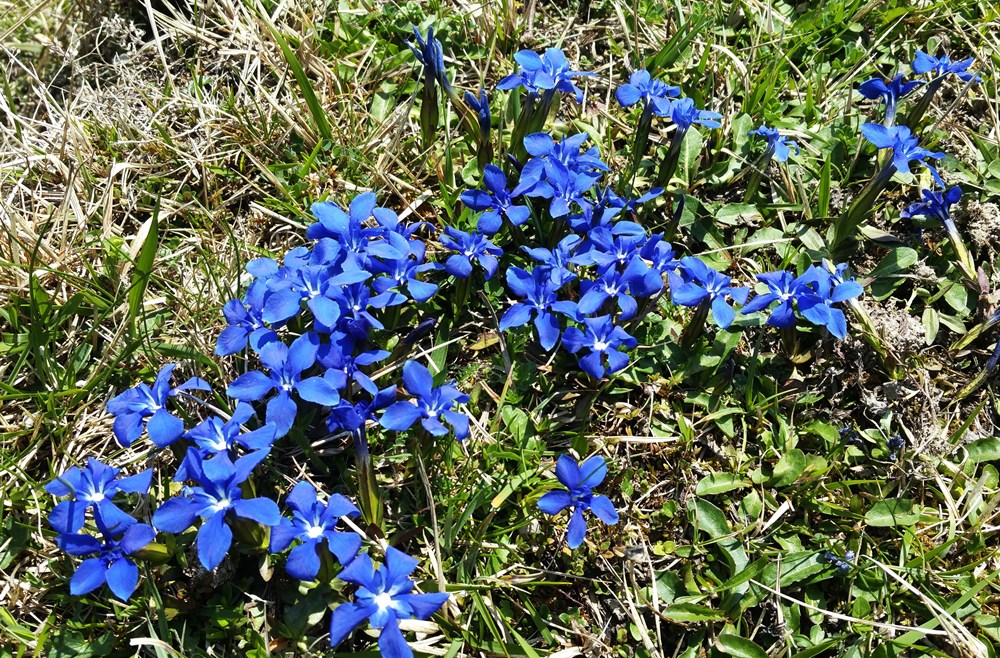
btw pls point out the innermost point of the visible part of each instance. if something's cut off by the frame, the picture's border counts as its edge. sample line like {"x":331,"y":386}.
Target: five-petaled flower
{"x":603,"y":339}
{"x":539,"y":293}
{"x":430,"y":405}
{"x":654,"y":94}
{"x":312,"y":523}
{"x":384,"y":596}
{"x":700,"y":283}
{"x":579,"y":480}
{"x":469,"y":247}
{"x":93,"y":486}
{"x":217,"y":493}
{"x":285,"y":366}
{"x":130,"y":408}
{"x":904,"y":144}
{"x":497,"y":202}
{"x":777,"y":146}
{"x":924,"y":63}
{"x":111,"y":566}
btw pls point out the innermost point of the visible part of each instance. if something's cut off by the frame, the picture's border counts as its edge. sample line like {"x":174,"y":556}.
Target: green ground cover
{"x":148,"y":152}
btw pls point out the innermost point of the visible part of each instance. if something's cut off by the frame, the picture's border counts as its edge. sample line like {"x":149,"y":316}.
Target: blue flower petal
{"x":577,"y":529}
{"x":345,"y":618}
{"x":90,"y":575}
{"x":303,"y":561}
{"x":605,"y":511}
{"x":555,"y":501}
{"x":122,"y":577}
{"x":391,"y":642}
{"x":214,"y":540}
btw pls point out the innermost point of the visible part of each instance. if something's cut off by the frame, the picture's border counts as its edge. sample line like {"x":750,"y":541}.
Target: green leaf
{"x":144,"y":264}
{"x":734,"y":645}
{"x":788,"y":469}
{"x":718,"y":483}
{"x":736,"y":213}
{"x":931,"y":324}
{"x":712,"y":521}
{"x":691,"y":147}
{"x":896,"y":260}
{"x":315,"y":109}
{"x":957,"y":297}
{"x":893,"y":512}
{"x":692,"y":612}
{"x":984,"y":450}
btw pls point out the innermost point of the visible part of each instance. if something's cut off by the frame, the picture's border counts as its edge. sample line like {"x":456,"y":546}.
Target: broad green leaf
{"x":692,"y":612}
{"x":691,"y":148}
{"x":720,"y":483}
{"x":734,"y":645}
{"x":896,"y":260}
{"x":984,"y":450}
{"x":893,"y":512}
{"x":789,"y":468}
{"x":931,"y":324}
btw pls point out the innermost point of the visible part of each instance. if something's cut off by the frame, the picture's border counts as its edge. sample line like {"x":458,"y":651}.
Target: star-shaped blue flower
{"x":384,"y":596}
{"x":579,"y":480}
{"x":93,"y":486}
{"x":312,"y":523}
{"x":431,"y":405}
{"x":217,"y":493}
{"x":134,"y":406}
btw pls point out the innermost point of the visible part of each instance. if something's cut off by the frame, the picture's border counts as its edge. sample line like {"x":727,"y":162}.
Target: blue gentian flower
{"x":607,"y":198}
{"x":614,"y":284}
{"x":828,"y":288}
{"x":938,"y":205}
{"x":603,"y":339}
{"x":843,"y":564}
{"x":111,"y":565}
{"x":481,"y":106}
{"x":544,"y":73}
{"x":343,"y":366}
{"x":654,"y":94}
{"x":684,"y":114}
{"x":400,"y":263}
{"x":614,"y":245}
{"x":701,"y":283}
{"x":430,"y":53}
{"x":497,"y":202}
{"x":285,"y":367}
{"x":312,"y":523}
{"x":564,"y":188}
{"x":924,"y":63}
{"x":539,"y":293}
{"x":347,"y":229}
{"x":384,"y":596}
{"x":218,"y":492}
{"x":547,"y":153}
{"x":889,"y":93}
{"x":314,"y":282}
{"x":430,"y":405}
{"x":353,"y":417}
{"x":135,"y":405}
{"x":557,"y":261}
{"x":777,"y":146}
{"x":356,"y":299}
{"x":660,"y":254}
{"x":93,"y":486}
{"x":579,"y":480}
{"x":904,"y":144}
{"x":469,"y":247}
{"x":215,"y":435}
{"x":785,"y":288}
{"x":245,"y":321}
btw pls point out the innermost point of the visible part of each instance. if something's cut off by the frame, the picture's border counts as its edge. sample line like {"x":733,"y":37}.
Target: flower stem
{"x":696,"y":326}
